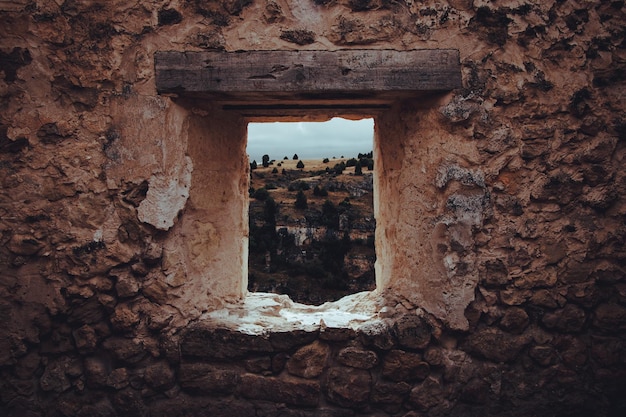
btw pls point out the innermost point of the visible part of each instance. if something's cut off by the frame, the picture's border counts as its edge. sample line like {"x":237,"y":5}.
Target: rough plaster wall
{"x":215,"y":227}
{"x":426,"y":235}
{"x":520,"y":178}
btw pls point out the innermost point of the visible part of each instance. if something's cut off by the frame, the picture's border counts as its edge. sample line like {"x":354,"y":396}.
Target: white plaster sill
{"x":262,"y":313}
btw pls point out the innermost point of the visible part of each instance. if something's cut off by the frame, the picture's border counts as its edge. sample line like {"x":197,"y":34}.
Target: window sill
{"x":261,"y":313}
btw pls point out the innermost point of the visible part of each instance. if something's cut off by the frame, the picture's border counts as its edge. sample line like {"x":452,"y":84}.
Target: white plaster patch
{"x":166,"y":197}
{"x":260,"y":313}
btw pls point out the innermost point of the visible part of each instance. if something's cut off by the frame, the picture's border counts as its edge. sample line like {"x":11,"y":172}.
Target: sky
{"x":310,"y":140}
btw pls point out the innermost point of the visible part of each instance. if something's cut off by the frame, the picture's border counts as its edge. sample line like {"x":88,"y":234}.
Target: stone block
{"x":348,"y":387}
{"x":96,"y":371}
{"x":207,"y":379}
{"x":427,"y":394}
{"x":159,"y":376}
{"x":357,"y":358}
{"x":515,"y":320}
{"x":128,"y":402}
{"x":495,"y":345}
{"x":289,"y":340}
{"x":610,"y":317}
{"x":385,"y":392}
{"x":377,"y":335}
{"x":85,"y":339}
{"x":124,"y":318}
{"x":118,"y":378}
{"x":412,"y":332}
{"x":209,"y":343}
{"x":54,"y":377}
{"x":568,"y":319}
{"x":309,"y":361}
{"x":292,"y":392}
{"x":126,"y":350}
{"x":399,"y":365}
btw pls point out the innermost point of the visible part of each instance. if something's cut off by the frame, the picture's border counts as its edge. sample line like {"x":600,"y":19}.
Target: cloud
{"x":310,"y":140}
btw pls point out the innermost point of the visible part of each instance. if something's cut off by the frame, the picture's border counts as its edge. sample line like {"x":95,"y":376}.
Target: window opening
{"x":311,"y":212}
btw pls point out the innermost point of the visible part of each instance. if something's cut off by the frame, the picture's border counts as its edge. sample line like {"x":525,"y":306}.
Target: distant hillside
{"x":312,"y":228}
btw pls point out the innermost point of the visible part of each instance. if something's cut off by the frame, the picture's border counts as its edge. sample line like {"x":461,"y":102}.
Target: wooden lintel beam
{"x":302,"y":75}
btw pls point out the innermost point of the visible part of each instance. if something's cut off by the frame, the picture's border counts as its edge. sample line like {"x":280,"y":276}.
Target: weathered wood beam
{"x":262,"y":76}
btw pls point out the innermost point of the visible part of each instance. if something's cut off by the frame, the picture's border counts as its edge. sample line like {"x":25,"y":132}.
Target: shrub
{"x":357,"y":169}
{"x":299,"y":185}
{"x":330,"y":215}
{"x":275,"y":170}
{"x":270,"y":211}
{"x":301,"y":202}
{"x":261,"y":194}
{"x":338,"y":168}
{"x":326,"y":160}
{"x":320,"y":192}
{"x":351,"y":162}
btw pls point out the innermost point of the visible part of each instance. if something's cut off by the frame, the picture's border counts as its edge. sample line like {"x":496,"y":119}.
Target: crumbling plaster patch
{"x":166,"y":196}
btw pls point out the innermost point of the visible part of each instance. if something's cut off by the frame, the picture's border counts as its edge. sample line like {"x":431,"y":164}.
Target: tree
{"x":275,"y":170}
{"x":270,"y":211}
{"x":300,"y":165}
{"x":298,"y":185}
{"x":266,"y":161}
{"x":253,"y":165}
{"x":295,"y":156}
{"x":320,"y":191}
{"x":351,"y":162}
{"x":330,"y":215}
{"x":261,"y":194}
{"x":338,"y":168}
{"x":301,"y":202}
{"x":326,"y":160}
{"x":358,"y":170}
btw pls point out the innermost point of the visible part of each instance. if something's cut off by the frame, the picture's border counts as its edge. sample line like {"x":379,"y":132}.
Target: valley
{"x":312,"y":227}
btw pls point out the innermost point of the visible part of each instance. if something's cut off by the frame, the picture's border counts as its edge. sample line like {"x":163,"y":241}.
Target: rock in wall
{"x":512,"y":300}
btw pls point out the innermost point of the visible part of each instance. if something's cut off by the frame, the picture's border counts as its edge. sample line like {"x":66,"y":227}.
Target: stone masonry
{"x":501,"y":216}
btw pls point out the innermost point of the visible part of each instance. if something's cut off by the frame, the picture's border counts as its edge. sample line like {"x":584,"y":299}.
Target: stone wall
{"x":510,"y":299}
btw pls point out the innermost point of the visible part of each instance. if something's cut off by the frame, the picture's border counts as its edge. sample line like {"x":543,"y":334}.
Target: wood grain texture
{"x":307,"y":74}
